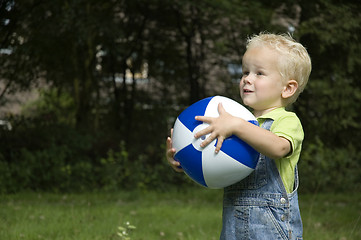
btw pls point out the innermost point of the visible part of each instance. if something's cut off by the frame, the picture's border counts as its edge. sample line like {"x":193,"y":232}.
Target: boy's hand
{"x":170,"y":154}
{"x":220,"y":127}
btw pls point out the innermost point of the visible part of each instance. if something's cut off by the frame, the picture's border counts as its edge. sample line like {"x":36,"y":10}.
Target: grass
{"x":192,"y":215}
{"x":331,"y":216}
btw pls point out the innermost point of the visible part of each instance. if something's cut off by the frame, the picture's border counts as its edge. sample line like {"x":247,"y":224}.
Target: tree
{"x":328,"y":108}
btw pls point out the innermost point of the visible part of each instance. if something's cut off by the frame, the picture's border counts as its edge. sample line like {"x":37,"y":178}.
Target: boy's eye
{"x":260,"y":73}
{"x":245,"y":73}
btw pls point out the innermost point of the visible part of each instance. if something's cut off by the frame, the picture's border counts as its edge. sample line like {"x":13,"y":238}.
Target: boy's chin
{"x":247,"y":103}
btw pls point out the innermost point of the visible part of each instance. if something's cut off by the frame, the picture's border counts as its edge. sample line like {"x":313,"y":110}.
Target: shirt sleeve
{"x":290,"y":128}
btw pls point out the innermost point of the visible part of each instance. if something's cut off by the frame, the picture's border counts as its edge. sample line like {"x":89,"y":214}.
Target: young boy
{"x":265,"y":204}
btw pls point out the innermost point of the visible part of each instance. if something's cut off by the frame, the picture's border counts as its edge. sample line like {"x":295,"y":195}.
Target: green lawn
{"x":193,"y":215}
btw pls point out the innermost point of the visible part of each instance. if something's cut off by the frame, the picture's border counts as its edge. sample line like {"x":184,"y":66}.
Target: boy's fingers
{"x":219,"y":144}
{"x":176,"y":165}
{"x":169,"y":139}
{"x":178,"y":169}
{"x":169,"y":142}
{"x":202,"y":132}
{"x":221,"y":108}
{"x":208,"y":140}
{"x":173,"y":163}
{"x":204,"y":119}
{"x":170,"y":153}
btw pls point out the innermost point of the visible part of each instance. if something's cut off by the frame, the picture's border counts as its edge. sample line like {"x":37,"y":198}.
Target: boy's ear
{"x":290,"y":89}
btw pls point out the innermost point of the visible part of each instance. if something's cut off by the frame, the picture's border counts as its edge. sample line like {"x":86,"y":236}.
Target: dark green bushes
{"x":44,"y":157}
{"x":54,"y":157}
{"x":330,"y":169}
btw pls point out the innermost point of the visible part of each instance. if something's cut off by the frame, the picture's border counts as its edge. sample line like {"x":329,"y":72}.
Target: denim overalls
{"x":258,"y":207}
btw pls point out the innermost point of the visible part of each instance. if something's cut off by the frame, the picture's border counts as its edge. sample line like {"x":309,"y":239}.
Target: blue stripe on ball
{"x":191,"y":163}
{"x":240,"y":151}
{"x":254,"y":122}
{"x":196,"y":109}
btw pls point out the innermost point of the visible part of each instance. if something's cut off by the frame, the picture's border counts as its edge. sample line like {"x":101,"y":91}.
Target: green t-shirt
{"x":286,"y":124}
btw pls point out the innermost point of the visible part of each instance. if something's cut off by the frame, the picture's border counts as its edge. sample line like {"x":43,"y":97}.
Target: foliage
{"x":123,"y":232}
{"x":54,"y":105}
{"x":331,"y":31}
{"x":45,"y":157}
{"x":58,"y":158}
{"x":326,"y":169}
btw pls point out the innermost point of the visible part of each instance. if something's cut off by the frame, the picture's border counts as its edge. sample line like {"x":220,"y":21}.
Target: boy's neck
{"x":258,"y":113}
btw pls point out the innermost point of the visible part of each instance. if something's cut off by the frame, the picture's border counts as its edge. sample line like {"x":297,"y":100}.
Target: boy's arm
{"x":262,"y":140}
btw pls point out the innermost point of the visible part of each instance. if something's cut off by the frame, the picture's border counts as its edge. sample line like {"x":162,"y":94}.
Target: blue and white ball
{"x":235,"y":160}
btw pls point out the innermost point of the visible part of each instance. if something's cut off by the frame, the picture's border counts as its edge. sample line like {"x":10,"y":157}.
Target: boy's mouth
{"x":247,"y":91}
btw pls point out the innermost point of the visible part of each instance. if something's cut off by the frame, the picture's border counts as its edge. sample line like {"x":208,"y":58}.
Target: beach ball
{"x":235,"y":160}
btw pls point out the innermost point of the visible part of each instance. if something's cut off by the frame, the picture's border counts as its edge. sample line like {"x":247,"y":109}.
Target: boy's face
{"x":261,"y":85}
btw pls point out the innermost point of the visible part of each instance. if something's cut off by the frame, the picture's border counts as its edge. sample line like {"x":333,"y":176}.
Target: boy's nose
{"x":246,"y":80}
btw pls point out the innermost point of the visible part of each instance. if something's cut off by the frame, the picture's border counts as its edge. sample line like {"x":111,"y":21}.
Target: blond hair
{"x":294,"y":63}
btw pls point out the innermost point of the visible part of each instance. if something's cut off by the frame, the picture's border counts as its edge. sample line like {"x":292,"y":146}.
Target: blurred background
{"x":90,"y":89}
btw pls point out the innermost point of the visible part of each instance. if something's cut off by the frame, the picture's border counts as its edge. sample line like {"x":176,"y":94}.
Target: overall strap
{"x":267,"y":124}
